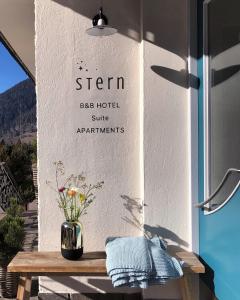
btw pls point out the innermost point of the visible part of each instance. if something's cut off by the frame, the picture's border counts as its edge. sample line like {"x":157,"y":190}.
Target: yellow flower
{"x":82,"y":198}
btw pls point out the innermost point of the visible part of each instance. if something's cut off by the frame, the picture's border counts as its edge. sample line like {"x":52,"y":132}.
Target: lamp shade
{"x":100,"y":26}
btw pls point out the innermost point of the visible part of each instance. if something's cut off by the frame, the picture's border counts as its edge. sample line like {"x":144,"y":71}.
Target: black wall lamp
{"x":100,"y":25}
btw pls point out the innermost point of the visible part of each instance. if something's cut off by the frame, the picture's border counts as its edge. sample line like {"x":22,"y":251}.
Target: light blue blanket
{"x":140,"y":262}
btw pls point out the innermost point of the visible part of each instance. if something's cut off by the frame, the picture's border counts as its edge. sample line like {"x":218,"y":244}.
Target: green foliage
{"x":34,"y":151}
{"x":19,"y":158}
{"x":14,"y":210}
{"x":11,"y":232}
{"x":3,"y":151}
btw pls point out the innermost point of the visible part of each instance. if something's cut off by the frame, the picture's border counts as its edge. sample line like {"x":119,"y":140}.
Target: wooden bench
{"x":30,"y":264}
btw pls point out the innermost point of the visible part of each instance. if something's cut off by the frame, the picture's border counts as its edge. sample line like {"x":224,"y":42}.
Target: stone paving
{"x":31,"y":227}
{"x":31,"y":238}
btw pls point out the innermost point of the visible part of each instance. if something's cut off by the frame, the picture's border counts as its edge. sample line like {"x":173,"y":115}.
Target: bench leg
{"x":189,"y":287}
{"x":24,"y":287}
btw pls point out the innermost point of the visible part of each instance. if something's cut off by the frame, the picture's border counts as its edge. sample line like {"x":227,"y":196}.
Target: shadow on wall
{"x":181,"y":78}
{"x":165,"y":22}
{"x":219,"y":76}
{"x":94,"y":286}
{"x":224,"y":25}
{"x":135,"y":208}
{"x":116,"y":11}
{"x":164,"y":25}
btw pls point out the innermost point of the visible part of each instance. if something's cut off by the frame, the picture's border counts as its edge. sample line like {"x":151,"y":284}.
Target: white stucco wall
{"x":61,"y":46}
{"x":166,"y":169}
{"x":154,"y":112}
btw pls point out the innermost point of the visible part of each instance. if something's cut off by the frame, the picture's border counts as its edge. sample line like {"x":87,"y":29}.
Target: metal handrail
{"x":229,"y":171}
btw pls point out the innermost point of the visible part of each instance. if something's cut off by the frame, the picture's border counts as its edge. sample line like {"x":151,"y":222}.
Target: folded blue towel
{"x":140,"y":262}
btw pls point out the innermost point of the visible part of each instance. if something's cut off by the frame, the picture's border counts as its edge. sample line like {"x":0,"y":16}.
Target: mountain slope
{"x":18,"y":112}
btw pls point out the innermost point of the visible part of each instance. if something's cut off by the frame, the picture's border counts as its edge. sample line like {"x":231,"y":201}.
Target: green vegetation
{"x":19,"y":158}
{"x":11,"y":232}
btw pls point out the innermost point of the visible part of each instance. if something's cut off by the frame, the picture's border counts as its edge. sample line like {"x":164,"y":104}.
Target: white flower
{"x":75,"y":189}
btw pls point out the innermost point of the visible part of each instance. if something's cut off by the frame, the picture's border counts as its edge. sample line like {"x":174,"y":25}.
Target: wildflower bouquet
{"x":75,"y":195}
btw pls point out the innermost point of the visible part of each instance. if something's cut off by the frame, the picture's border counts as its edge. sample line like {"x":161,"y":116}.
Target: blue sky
{"x":10,"y":71}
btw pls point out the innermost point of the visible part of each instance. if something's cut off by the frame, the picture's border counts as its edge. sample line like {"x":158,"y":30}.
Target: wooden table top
{"x":92,"y":263}
{"x":191,"y":262}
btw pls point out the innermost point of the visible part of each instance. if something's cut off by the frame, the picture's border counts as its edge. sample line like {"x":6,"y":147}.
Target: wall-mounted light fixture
{"x":100,"y":25}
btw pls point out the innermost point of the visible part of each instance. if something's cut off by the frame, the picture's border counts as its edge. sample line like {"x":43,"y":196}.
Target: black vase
{"x":71,"y":240}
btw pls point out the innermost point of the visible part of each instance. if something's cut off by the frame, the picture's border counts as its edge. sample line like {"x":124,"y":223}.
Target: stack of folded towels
{"x":140,"y":262}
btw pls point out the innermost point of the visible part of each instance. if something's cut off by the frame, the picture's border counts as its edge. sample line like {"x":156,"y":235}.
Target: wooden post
{"x":189,"y":285}
{"x":24,"y":287}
